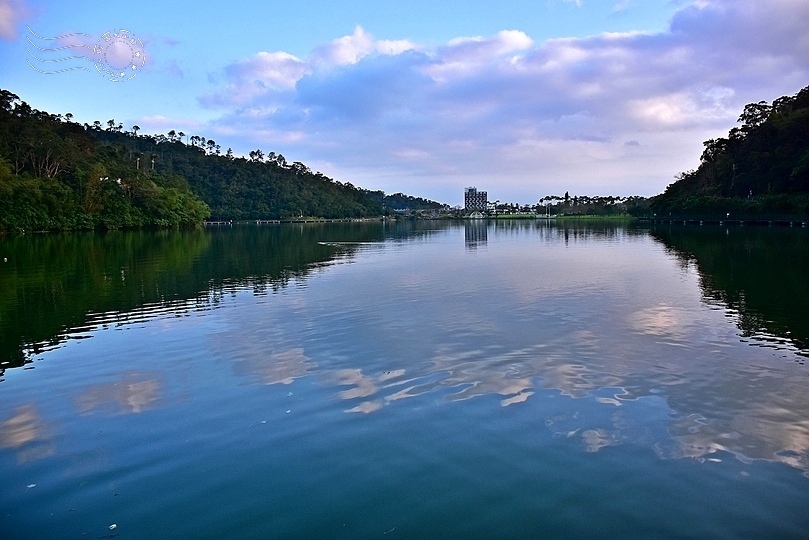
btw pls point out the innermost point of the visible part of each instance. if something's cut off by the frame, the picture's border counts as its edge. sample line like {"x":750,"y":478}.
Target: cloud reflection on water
{"x":274,"y":368}
{"x":134,"y":394}
{"x":612,"y":320}
{"x":660,"y":321}
{"x":27,"y":434}
{"x":657,"y":401}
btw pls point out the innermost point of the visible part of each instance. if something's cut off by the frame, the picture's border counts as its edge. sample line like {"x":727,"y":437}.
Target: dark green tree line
{"x":55,"y":175}
{"x":261,"y":186}
{"x":762,"y":166}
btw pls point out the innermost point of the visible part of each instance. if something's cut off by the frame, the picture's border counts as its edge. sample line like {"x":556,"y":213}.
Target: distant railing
{"x":784,"y":220}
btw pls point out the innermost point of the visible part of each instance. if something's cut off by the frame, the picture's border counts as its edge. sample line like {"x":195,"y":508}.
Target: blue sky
{"x":520,"y":98}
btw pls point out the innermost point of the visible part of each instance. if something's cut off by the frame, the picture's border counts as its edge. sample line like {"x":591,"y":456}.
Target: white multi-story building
{"x":474,"y":199}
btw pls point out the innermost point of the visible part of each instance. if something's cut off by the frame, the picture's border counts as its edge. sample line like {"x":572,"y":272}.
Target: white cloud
{"x":392,"y":47}
{"x":268,"y":77}
{"x":345,"y":50}
{"x":464,"y":56}
{"x":12,"y":13}
{"x":617,"y":113}
{"x":264,"y":73}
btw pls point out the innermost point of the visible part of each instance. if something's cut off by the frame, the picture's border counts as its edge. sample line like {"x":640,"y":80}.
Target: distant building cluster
{"x":474,"y":199}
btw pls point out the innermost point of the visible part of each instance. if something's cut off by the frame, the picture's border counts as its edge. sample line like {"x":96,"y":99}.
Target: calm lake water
{"x":429,"y":379}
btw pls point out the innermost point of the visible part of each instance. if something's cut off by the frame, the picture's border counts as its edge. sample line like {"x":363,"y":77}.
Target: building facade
{"x":474,"y":199}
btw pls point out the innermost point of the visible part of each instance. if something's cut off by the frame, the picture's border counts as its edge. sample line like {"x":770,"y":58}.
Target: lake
{"x":509,"y":379}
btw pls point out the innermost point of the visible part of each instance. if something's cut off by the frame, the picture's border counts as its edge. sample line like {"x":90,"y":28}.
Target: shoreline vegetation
{"x":59,"y":175}
{"x":760,"y":168}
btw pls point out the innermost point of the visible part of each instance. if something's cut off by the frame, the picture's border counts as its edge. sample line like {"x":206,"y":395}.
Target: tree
{"x":94,"y":193}
{"x":8,"y":101}
{"x":301,"y":168}
{"x":783,"y":105}
{"x":713,"y":148}
{"x":754,"y":115}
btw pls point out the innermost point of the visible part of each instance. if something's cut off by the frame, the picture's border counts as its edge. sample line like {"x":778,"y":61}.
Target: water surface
{"x":509,"y":379}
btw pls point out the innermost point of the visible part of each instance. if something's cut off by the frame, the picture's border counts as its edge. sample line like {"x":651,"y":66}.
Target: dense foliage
{"x":594,"y":206}
{"x":257,"y":187}
{"x":54,"y":175}
{"x":400,"y":201}
{"x":761,"y":167}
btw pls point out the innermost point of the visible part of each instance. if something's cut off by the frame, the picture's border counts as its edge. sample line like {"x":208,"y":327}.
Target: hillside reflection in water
{"x":686,"y":342}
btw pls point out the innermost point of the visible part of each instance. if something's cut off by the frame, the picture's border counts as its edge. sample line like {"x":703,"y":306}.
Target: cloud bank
{"x":606,"y":114}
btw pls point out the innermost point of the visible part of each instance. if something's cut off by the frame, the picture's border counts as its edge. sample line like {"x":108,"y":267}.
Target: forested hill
{"x":56,"y":174}
{"x":400,"y":201}
{"x":761,"y":167}
{"x":259,"y":187}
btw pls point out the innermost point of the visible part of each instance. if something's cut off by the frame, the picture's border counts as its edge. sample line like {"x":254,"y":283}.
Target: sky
{"x":519,"y":98}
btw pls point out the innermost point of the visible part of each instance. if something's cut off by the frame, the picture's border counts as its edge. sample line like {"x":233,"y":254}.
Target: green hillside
{"x":56,"y":174}
{"x":760,"y":167}
{"x":400,"y":201}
